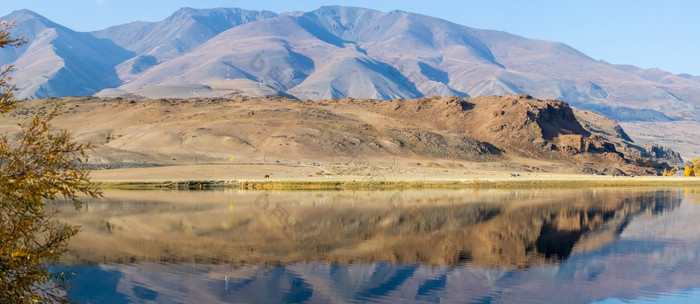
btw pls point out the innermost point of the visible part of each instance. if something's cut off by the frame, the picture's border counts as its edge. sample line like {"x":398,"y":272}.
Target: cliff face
{"x":612,"y":132}
{"x":533,"y":127}
{"x":517,"y":125}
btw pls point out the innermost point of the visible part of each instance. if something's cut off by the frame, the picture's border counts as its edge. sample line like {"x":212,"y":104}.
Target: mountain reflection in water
{"x":417,"y":246}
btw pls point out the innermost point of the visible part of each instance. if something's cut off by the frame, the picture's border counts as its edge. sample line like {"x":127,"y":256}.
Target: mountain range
{"x":337,"y":52}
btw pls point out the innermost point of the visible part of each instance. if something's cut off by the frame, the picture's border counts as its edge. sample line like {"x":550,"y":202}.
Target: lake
{"x":411,"y":246}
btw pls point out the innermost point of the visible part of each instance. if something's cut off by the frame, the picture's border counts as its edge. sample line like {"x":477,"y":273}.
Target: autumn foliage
{"x":693,"y":169}
{"x":7,"y":95}
{"x":36,"y":166}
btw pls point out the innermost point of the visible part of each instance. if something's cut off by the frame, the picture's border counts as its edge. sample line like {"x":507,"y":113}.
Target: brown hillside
{"x":510,"y":129}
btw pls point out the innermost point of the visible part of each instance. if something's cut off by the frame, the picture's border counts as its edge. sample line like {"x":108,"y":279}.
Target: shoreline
{"x":276,"y":177}
{"x":398,"y":185}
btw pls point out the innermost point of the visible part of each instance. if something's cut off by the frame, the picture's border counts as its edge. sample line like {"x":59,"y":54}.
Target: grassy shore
{"x":390,"y":185}
{"x":307,"y":178}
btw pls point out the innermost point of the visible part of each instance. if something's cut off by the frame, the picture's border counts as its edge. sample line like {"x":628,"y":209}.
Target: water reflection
{"x":506,"y":229}
{"x":413,"y":246}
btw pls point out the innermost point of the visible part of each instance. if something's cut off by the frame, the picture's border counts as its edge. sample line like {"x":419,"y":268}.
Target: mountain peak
{"x":26,"y":15}
{"x":58,"y":61}
{"x":25,"y":12}
{"x":181,"y":32}
{"x":183,"y":11}
{"x":341,"y":7}
{"x":189,"y":11}
{"x":341,"y":11}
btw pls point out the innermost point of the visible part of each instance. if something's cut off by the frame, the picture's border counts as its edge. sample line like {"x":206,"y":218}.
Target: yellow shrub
{"x":689,"y":171}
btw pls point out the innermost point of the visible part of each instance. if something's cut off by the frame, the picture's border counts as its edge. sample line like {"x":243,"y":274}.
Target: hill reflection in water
{"x":419,"y":246}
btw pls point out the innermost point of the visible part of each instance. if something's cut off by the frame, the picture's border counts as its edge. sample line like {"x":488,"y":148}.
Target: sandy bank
{"x":315,"y":177}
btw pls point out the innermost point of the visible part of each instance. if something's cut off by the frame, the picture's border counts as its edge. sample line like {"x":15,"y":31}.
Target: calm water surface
{"x":424,"y":246}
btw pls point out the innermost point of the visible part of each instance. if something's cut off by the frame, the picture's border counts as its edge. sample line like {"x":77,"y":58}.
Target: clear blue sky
{"x":663,"y":34}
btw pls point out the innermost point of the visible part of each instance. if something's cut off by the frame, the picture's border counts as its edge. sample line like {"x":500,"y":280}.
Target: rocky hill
{"x":344,"y":132}
{"x":613,"y":132}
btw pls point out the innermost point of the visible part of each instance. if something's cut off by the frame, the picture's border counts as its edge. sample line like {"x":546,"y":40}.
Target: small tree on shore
{"x":689,"y":171}
{"x":667,"y":172}
{"x":37,"y":166}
